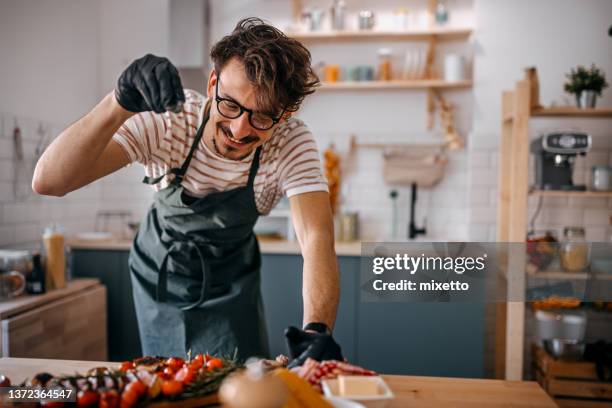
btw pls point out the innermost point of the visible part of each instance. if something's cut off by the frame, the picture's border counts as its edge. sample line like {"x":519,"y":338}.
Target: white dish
{"x":339,"y":402}
{"x":383,"y":399}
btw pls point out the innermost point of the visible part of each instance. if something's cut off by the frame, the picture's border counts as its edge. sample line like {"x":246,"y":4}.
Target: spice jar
{"x":384,"y":64}
{"x":574,"y":251}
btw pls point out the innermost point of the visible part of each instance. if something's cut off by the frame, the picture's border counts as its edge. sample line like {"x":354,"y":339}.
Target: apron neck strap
{"x":179,"y":173}
{"x":254,"y":167}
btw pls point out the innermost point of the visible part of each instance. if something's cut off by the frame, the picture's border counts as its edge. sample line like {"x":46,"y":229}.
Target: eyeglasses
{"x":231,"y":109}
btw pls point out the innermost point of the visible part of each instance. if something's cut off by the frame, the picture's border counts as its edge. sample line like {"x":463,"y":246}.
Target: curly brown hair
{"x":278,"y":66}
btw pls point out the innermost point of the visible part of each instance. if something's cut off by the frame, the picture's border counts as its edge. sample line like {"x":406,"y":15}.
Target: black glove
{"x":150,"y":83}
{"x":318,"y":346}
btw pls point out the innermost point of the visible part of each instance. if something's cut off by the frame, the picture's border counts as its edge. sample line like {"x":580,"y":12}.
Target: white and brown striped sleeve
{"x":140,"y":136}
{"x":299,"y":165}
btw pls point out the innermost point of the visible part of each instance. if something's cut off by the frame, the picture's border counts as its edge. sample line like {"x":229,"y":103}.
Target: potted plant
{"x":586,"y":84}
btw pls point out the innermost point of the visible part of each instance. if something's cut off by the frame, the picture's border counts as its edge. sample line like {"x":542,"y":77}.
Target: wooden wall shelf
{"x":441,"y":34}
{"x":576,"y":194}
{"x":560,"y":111}
{"x":398,"y":84}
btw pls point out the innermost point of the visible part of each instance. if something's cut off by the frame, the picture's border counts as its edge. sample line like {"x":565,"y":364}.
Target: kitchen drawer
{"x":71,"y":328}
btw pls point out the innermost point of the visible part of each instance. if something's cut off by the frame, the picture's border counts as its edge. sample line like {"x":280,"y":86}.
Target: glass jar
{"x":574,"y":251}
{"x":384,"y":64}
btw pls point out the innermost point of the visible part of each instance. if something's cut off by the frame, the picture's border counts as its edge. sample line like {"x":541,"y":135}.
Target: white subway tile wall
{"x":24,"y":214}
{"x":556,"y":212}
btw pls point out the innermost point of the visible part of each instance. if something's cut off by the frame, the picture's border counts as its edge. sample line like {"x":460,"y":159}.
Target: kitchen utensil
{"x":574,"y":251}
{"x":385,"y":72}
{"x":441,"y":13}
{"x":349,"y":225}
{"x":420,"y":164}
{"x":366,"y":20}
{"x":394,"y":221}
{"x":316,"y":19}
{"x":53,"y":240}
{"x":559,"y":325}
{"x":332,"y":73}
{"x":15,"y":265}
{"x":454,"y":68}
{"x":565,"y":349}
{"x":601,"y":178}
{"x":12,"y":284}
{"x":338,"y":14}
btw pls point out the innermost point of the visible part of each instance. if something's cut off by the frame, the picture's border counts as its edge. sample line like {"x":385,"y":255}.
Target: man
{"x":216,"y":164}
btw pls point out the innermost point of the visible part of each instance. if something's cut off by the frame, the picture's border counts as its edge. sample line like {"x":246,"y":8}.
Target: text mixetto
{"x":407,"y":285}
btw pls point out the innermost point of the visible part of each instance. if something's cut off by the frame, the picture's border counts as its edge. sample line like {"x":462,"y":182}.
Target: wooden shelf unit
{"x":395,"y":84}
{"x":574,"y":194}
{"x":432,"y":34}
{"x":439,"y":33}
{"x":570,"y":111}
{"x":512,"y":214}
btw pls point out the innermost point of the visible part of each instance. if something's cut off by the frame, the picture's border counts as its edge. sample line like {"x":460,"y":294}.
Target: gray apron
{"x":195,"y":269}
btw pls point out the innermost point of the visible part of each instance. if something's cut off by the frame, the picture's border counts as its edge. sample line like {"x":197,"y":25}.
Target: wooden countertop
{"x":266,"y":246}
{"x":24,"y":303}
{"x":410,"y":391}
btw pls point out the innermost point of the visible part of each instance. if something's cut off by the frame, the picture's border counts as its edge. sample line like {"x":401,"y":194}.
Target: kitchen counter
{"x":267,"y":246}
{"x":410,"y":391}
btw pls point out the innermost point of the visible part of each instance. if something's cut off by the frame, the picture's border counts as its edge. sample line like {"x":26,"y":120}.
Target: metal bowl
{"x":565,"y":349}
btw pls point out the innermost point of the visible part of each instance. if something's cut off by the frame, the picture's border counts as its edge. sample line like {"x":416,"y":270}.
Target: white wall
{"x":59,"y":58}
{"x":554,"y":36}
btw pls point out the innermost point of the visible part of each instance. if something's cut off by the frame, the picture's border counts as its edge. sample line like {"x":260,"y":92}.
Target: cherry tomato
{"x":185,"y":375}
{"x":169,"y":372}
{"x":214,"y":363}
{"x":126,"y":365}
{"x":137,"y":387}
{"x":109,"y":399}
{"x":4,"y":381}
{"x":175,"y":363}
{"x":197,"y":362}
{"x":87,"y":398}
{"x":172,"y":387}
{"x":128,"y":398}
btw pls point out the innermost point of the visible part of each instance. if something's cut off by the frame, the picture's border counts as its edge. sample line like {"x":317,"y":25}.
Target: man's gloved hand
{"x":318,"y":346}
{"x":150,"y":83}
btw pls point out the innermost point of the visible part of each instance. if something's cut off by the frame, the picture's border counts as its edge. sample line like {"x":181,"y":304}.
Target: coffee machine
{"x":555,"y":155}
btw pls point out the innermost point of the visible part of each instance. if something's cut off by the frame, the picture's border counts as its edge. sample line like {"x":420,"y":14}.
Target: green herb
{"x":583,"y":79}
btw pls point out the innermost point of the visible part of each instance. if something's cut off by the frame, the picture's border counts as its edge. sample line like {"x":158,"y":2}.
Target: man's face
{"x":234,"y":138}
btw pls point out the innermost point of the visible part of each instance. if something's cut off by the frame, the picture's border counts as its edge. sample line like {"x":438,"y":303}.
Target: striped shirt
{"x":289,"y":161}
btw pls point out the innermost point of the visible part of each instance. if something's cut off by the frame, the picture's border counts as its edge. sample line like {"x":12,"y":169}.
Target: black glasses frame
{"x":219,"y":99}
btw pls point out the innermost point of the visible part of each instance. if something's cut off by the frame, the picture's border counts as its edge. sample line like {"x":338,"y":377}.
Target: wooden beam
{"x":519,"y":188}
{"x":503,"y":229}
{"x":296,"y":10}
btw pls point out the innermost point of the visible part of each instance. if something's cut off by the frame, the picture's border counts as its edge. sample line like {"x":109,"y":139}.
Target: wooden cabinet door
{"x":72,"y":328}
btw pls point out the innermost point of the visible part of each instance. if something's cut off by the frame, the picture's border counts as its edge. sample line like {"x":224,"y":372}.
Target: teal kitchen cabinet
{"x":435,"y":339}
{"x":282,"y":294}
{"x":111,"y":267}
{"x":441,"y":339}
